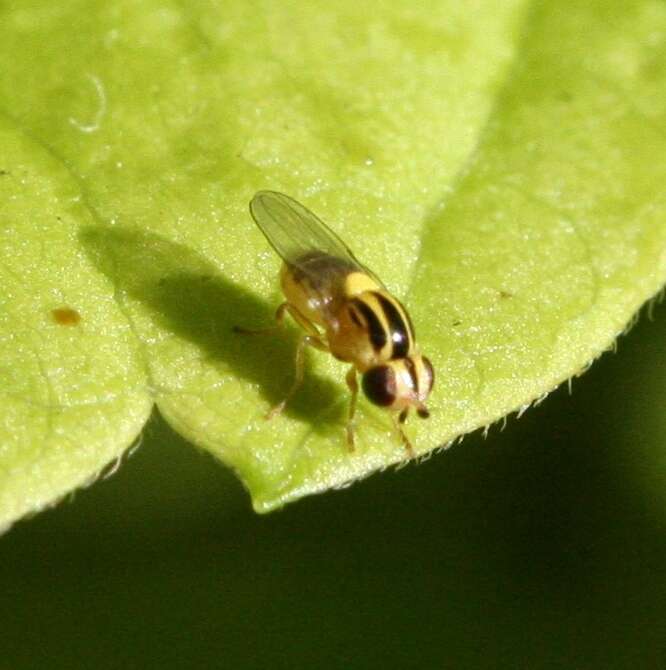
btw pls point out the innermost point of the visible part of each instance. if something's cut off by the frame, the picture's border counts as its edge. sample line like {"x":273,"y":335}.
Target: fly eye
{"x":430,"y":372}
{"x":423,"y":413}
{"x":379,"y":385}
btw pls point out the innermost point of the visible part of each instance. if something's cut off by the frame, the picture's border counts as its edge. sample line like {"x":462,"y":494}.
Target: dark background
{"x":543,"y":546}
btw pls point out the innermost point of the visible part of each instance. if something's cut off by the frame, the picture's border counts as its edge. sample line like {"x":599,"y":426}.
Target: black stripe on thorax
{"x":375,"y":328}
{"x":399,"y":330}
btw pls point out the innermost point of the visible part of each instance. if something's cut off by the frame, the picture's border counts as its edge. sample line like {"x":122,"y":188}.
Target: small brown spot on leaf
{"x":3,"y":173}
{"x":457,"y":322}
{"x":505,"y":294}
{"x":66,"y":316}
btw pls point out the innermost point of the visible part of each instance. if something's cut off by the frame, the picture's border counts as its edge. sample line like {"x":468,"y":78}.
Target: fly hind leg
{"x":312,"y":339}
{"x":280,"y":313}
{"x":279,"y":319}
{"x":305,"y":341}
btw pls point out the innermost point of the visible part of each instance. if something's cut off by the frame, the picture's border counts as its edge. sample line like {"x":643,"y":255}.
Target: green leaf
{"x":499,"y":167}
{"x":73,"y":393}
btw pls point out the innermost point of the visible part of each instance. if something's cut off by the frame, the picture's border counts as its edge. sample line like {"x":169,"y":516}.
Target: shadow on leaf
{"x":187,"y":295}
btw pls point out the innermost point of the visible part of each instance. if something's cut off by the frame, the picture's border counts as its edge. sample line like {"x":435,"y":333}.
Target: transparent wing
{"x":296,"y":233}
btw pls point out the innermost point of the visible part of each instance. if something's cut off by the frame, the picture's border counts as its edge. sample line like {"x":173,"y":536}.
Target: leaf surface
{"x":499,"y":167}
{"x":73,"y":393}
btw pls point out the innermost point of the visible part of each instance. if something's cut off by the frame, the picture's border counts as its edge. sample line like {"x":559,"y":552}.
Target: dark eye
{"x":379,"y":385}
{"x":429,"y":371}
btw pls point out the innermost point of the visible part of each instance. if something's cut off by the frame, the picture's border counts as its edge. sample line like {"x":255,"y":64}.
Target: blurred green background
{"x":543,"y":546}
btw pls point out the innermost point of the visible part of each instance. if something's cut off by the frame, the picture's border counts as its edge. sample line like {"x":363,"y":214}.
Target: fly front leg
{"x":352,"y":383}
{"x":397,"y":422}
{"x":305,"y":341}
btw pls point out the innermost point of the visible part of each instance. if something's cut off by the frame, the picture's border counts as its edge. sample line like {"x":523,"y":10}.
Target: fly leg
{"x":312,"y":339}
{"x":397,"y":422}
{"x":280,"y":313}
{"x":279,"y":319}
{"x":353,"y":388}
{"x":305,"y":324}
{"x":305,"y":341}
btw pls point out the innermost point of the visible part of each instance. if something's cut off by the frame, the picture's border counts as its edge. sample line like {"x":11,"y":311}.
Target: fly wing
{"x":297,"y":234}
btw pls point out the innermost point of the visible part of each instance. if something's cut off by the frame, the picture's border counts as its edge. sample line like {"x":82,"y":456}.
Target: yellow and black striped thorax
{"x":389,"y":328}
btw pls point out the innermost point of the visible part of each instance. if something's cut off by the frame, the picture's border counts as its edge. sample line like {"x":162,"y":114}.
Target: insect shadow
{"x":186,"y":294}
